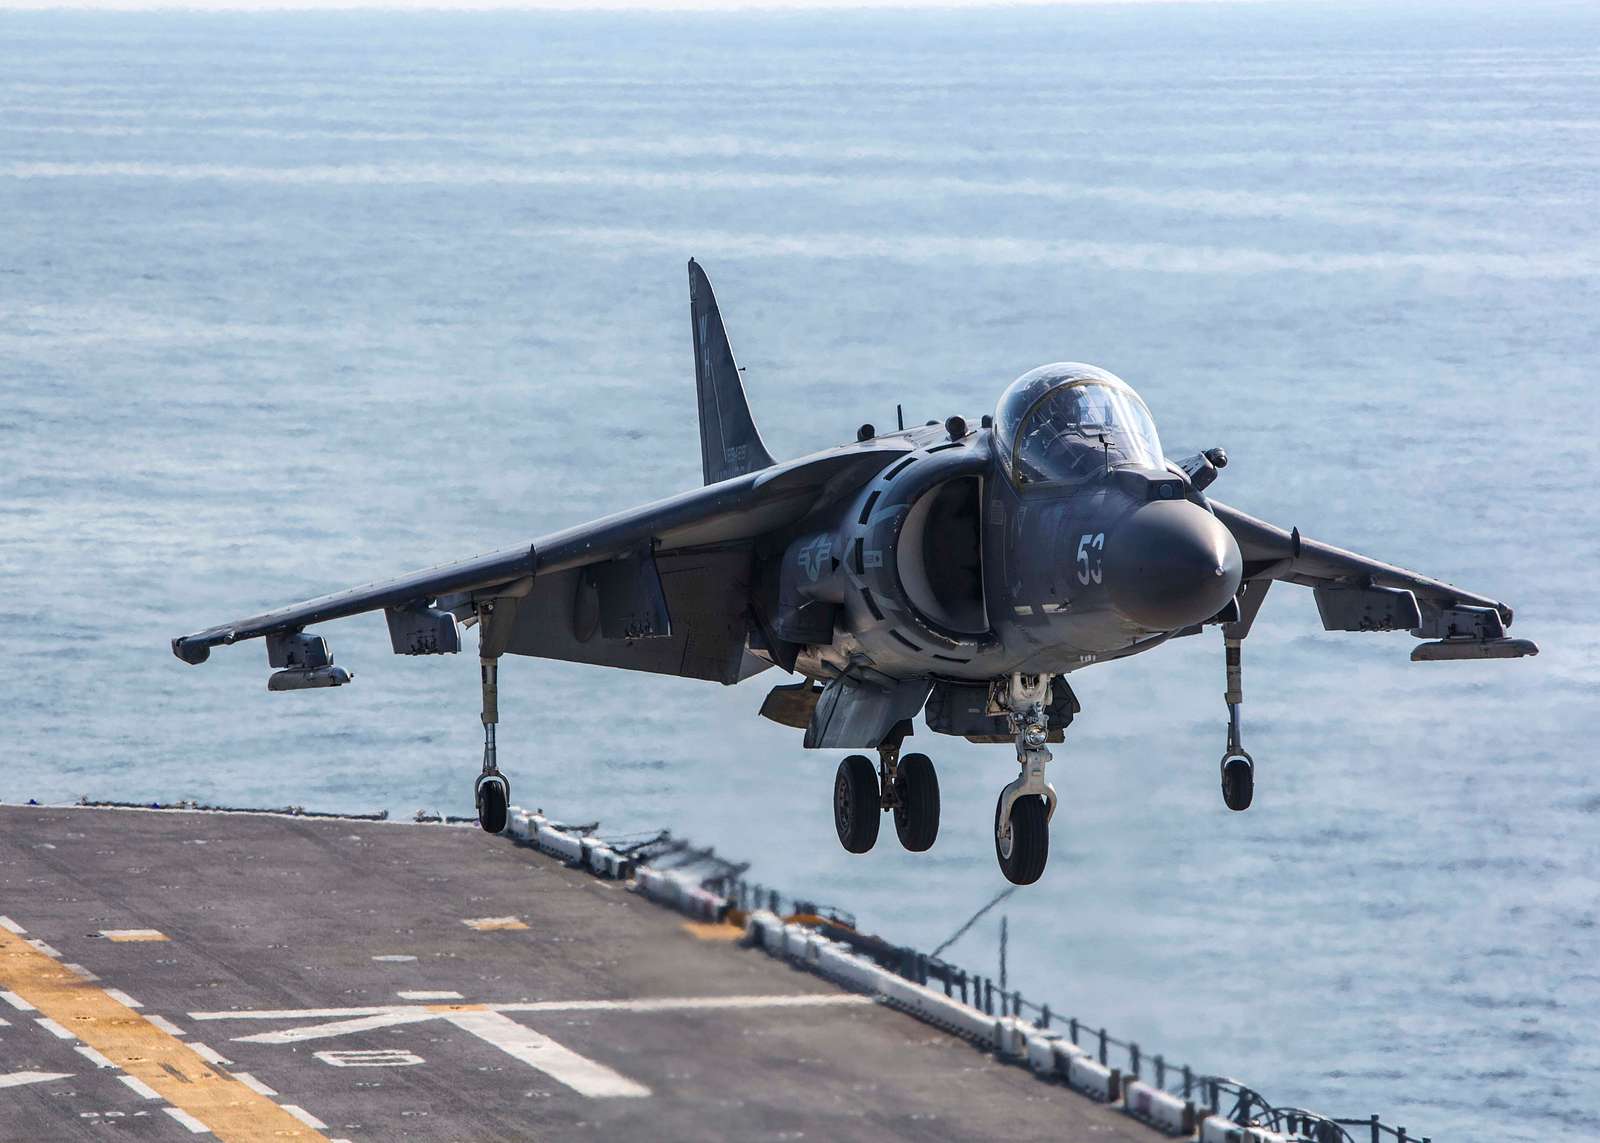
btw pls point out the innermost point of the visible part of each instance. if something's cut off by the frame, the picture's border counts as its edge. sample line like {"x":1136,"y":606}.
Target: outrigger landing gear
{"x":1022,"y":815}
{"x":1238,"y":768}
{"x":492,"y":791}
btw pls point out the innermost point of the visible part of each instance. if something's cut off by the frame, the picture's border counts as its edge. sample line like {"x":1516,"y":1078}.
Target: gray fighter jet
{"x":952,"y":569}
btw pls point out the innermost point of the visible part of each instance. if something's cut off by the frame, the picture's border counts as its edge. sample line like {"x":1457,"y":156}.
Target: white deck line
{"x":189,"y":1121}
{"x":18,"y":1079}
{"x":583,"y":1075}
{"x":209,"y":1054}
{"x":642,"y":1004}
{"x":54,"y":1029}
{"x":16,"y":1001}
{"x":11,"y":926}
{"x":304,"y":1116}
{"x":164,"y":1024}
{"x":339,"y":1028}
{"x":95,"y":1057}
{"x":253,"y":1084}
{"x":121,"y":997}
{"x":139,"y":1086}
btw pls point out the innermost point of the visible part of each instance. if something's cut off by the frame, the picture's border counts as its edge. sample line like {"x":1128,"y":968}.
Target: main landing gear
{"x":1022,"y":814}
{"x":907,"y":787}
{"x":1238,"y":768}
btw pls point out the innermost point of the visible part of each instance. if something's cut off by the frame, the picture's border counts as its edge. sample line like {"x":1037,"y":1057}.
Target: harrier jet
{"x":958,"y":570}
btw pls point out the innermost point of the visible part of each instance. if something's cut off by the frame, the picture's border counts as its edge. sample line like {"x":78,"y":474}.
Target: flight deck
{"x":172,"y":975}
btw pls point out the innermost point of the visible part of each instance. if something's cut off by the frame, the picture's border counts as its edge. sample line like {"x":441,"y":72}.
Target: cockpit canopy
{"x":1067,"y":422}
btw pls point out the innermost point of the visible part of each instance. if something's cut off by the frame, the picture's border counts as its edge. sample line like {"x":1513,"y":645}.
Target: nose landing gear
{"x":1022,"y":815}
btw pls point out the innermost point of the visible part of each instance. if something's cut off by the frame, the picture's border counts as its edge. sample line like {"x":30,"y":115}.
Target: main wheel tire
{"x":1024,"y":860}
{"x":1238,"y":783}
{"x":492,"y":805}
{"x":856,"y":803}
{"x":916,"y":812}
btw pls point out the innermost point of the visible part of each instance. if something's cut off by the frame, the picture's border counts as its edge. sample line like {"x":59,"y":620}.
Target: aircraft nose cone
{"x":1170,"y":564}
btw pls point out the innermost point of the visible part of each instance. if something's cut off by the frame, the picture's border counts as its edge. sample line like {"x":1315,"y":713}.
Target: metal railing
{"x":1216,"y":1094}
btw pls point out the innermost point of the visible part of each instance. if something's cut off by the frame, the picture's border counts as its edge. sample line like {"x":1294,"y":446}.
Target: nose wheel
{"x":1023,"y":845}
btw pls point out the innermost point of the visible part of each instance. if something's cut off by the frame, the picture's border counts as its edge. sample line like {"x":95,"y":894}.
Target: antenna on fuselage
{"x":900,"y":417}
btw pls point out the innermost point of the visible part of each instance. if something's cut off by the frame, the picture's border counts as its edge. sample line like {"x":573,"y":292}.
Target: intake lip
{"x":1171,"y":564}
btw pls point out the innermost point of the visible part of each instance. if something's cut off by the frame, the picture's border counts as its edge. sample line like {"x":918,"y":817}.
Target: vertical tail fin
{"x":730,"y":444}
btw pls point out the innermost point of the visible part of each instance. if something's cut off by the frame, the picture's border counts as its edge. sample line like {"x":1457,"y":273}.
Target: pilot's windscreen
{"x":1079,"y":430}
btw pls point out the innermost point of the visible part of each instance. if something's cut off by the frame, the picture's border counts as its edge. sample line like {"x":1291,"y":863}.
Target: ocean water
{"x":292,"y":302}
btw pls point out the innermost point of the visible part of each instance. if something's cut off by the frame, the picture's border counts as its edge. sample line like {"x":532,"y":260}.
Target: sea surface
{"x":293,"y":302}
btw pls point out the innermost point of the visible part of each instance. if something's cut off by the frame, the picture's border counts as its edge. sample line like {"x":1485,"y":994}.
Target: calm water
{"x":289,"y":302}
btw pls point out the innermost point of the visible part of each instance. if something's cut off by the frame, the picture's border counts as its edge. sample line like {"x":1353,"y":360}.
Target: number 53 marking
{"x":1089,"y":548}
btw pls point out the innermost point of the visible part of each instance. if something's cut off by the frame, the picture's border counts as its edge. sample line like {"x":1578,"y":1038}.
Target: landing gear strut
{"x":1022,"y":815}
{"x":492,"y":791}
{"x":1238,"y":768}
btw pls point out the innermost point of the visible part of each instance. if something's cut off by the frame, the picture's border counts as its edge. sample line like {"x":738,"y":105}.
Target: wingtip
{"x":192,"y":653}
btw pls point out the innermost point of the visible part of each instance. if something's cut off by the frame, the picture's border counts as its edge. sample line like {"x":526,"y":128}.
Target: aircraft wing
{"x":1357,"y":593}
{"x":655,"y":588}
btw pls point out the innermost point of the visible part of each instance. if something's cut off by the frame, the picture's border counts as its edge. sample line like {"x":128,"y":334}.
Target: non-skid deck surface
{"x":165,"y":975}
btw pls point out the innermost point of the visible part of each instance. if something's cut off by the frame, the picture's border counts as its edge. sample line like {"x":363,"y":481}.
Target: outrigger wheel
{"x":493,"y":794}
{"x":1024,"y":849}
{"x":856,"y":803}
{"x":916,"y":808}
{"x":1238,"y":781}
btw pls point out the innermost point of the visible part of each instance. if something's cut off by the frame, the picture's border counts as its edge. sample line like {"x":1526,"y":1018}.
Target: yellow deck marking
{"x":493,"y":924}
{"x":133,"y":934}
{"x":230,"y":1109}
{"x":709,"y":931}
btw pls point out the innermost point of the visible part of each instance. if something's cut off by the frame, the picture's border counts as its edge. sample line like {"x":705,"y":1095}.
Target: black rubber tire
{"x":856,"y":803}
{"x":1030,"y":839}
{"x":1238,"y":783}
{"x":916,"y":814}
{"x":491,"y":797}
